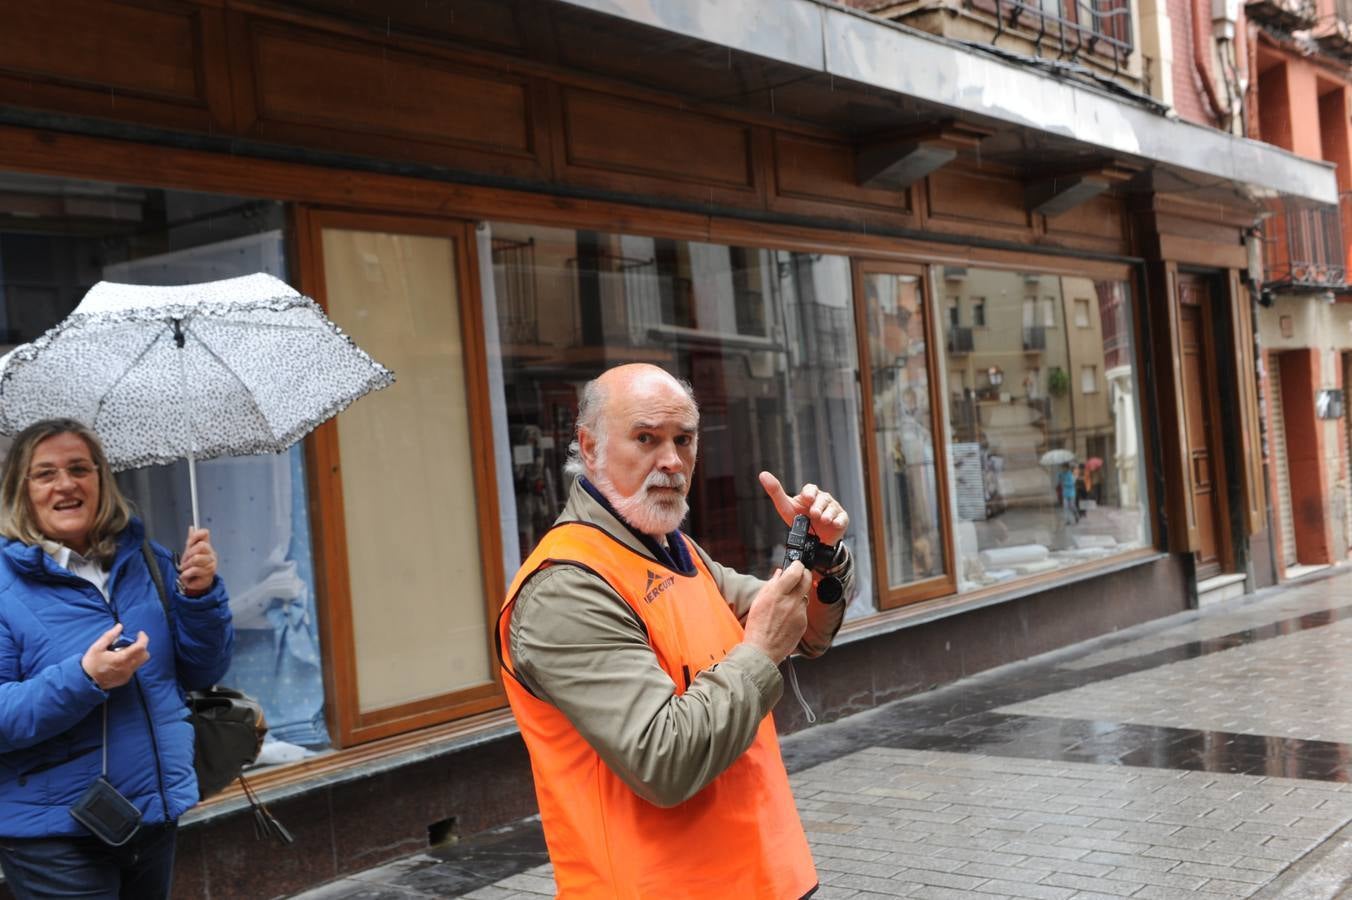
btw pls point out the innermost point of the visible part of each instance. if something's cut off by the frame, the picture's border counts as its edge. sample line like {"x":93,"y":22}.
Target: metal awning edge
{"x":819,"y":36}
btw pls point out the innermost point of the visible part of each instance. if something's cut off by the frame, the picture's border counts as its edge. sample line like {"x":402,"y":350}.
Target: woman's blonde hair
{"x":17,"y":519}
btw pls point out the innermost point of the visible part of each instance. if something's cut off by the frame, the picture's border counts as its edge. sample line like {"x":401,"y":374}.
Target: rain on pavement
{"x":1208,"y":754}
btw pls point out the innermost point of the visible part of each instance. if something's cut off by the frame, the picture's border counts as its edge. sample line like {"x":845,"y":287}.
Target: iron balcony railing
{"x":959,"y":339}
{"x":1068,"y":27}
{"x":1034,"y":337}
{"x":1303,"y":247}
{"x":1333,"y":35}
{"x":1284,"y":15}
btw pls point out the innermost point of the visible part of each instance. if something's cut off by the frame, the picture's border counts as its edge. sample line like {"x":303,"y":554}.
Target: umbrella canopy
{"x":1093,"y":463}
{"x":1056,"y":457}
{"x":223,"y":368}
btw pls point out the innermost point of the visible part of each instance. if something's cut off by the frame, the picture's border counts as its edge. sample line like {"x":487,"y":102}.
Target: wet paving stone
{"x":1202,"y":755}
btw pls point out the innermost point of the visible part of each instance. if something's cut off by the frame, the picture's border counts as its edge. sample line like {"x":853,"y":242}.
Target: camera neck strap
{"x":105,"y":738}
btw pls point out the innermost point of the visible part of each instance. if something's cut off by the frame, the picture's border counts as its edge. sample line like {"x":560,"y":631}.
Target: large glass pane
{"x":1046,"y":461}
{"x":765,"y":336}
{"x":418,"y":606}
{"x":903,"y":429}
{"x":58,"y":236}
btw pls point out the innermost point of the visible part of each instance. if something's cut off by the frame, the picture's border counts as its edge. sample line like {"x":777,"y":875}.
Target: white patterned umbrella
{"x":223,"y":368}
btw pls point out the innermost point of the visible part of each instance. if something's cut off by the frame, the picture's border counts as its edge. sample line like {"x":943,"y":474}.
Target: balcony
{"x":1034,"y":338}
{"x":1303,"y":248}
{"x":1283,"y":15}
{"x":1334,"y":33}
{"x":959,"y":339}
{"x":1069,"y":28}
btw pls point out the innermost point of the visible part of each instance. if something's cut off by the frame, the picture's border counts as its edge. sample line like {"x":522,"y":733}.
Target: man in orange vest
{"x":642,"y":673}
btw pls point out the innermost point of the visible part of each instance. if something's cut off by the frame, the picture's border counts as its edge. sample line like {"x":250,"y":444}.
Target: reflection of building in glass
{"x":1043,"y":421}
{"x":765,"y":337}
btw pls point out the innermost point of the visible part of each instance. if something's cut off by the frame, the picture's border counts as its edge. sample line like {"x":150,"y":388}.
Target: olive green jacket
{"x":577,"y":645}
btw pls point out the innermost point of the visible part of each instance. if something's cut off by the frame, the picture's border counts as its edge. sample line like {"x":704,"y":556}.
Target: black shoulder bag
{"x":228,"y":729}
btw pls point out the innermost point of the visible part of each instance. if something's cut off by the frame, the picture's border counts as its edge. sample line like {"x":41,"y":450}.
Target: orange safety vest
{"x":740,"y":836}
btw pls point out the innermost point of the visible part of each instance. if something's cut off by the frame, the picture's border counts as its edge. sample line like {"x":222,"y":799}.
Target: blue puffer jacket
{"x":50,"y":712}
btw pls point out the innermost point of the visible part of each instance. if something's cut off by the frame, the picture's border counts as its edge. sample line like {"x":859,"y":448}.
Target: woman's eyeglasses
{"x":47,"y":475}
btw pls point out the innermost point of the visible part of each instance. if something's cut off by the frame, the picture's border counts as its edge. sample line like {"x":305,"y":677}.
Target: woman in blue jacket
{"x":74,"y":590}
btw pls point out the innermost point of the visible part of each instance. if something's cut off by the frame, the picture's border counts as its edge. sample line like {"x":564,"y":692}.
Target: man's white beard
{"x":652,"y":514}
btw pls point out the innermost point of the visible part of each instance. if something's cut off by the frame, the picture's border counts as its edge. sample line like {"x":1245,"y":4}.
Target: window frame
{"x":938,"y":585}
{"x":348,"y":724}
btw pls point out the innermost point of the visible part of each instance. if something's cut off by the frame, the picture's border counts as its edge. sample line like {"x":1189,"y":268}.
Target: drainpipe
{"x":1200,"y":42}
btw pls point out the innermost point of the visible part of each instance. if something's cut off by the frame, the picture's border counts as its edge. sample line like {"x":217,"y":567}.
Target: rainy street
{"x":1207,"y":754}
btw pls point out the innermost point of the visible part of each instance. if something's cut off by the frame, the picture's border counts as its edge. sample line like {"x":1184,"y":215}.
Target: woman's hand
{"x":110,"y":668}
{"x":197,"y":566}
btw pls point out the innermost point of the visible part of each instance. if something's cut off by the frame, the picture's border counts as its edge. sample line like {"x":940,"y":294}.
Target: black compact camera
{"x":807,"y":548}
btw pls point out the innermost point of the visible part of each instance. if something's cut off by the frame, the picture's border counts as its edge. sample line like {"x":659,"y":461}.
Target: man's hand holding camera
{"x":777,"y":619}
{"x":826,"y":516}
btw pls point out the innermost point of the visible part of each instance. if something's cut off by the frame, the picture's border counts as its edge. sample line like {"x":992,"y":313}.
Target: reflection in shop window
{"x":909,"y":531}
{"x":1046,"y":465}
{"x":766,"y":337}
{"x":60,"y":236}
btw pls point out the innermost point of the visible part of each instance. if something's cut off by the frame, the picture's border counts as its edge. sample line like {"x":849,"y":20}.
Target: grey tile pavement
{"x":886,"y":821}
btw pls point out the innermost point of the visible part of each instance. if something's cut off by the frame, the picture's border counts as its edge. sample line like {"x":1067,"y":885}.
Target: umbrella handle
{"x":192,"y":487}
{"x":192,"y":449}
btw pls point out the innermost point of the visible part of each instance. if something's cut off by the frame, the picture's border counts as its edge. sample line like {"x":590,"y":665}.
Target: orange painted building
{"x":1299,"y":85}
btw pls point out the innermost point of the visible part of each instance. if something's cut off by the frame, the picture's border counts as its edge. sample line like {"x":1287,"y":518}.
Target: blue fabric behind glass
{"x":257,"y":511}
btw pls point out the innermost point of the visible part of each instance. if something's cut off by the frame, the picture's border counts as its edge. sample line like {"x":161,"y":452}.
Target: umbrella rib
{"x":274,"y":326}
{"x":98,"y":408}
{"x":248,"y":392}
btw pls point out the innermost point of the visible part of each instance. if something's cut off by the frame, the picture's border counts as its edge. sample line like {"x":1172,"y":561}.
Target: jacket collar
{"x":34,"y":562}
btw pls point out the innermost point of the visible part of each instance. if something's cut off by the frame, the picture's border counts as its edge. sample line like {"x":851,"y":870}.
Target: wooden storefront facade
{"x":424,"y":130}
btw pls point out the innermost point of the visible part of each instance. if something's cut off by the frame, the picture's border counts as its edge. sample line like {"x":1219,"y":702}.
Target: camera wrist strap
{"x":797,"y":692}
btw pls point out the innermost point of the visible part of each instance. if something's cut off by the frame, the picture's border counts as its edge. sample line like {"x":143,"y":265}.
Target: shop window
{"x":1046,"y":472}
{"x":765,"y":336}
{"x":417,"y":533}
{"x":58,"y":237}
{"x":913,"y":558}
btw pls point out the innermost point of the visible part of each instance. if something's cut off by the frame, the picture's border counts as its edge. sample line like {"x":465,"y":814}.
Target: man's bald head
{"x":628,"y":379}
{"x":637,"y":434}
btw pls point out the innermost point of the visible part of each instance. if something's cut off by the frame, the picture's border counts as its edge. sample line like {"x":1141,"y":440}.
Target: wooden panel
{"x":956,"y":195}
{"x":1252,"y":489}
{"x":1197,"y":414}
{"x":356,"y":87}
{"x":1202,"y":253}
{"x":618,"y":135}
{"x":813,"y":169}
{"x":144,"y":61}
{"x":146,"y":51}
{"x":1166,"y":344}
{"x":1100,"y":217}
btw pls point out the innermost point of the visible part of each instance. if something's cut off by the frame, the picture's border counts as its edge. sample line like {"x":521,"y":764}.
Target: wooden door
{"x":1200,"y":400}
